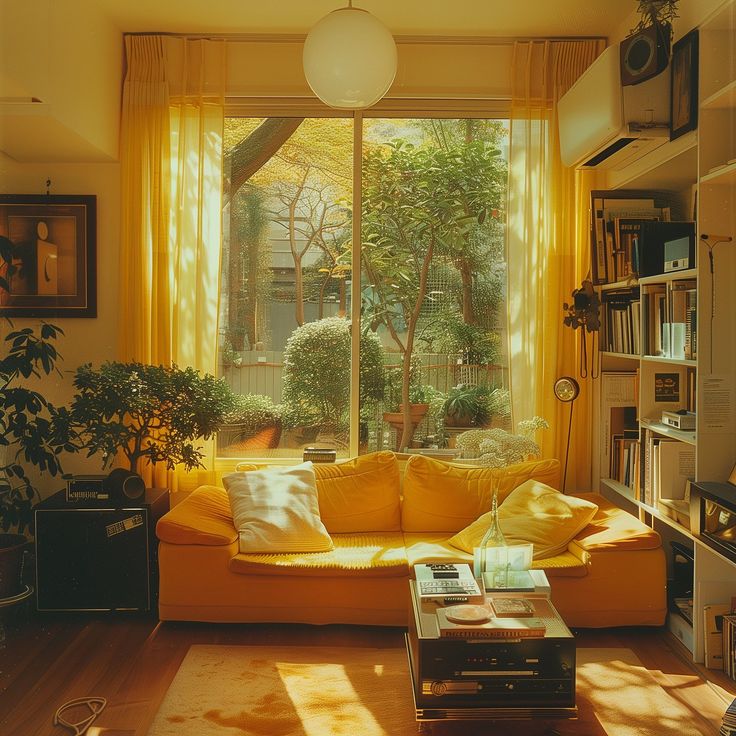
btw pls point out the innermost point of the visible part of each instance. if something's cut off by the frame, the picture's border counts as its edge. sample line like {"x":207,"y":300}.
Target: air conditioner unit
{"x":606,"y":125}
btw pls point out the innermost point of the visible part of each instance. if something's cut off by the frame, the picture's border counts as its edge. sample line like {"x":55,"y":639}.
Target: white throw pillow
{"x":276,"y":510}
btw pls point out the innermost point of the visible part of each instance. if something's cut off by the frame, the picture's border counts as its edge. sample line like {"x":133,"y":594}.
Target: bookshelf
{"x":694,"y":174}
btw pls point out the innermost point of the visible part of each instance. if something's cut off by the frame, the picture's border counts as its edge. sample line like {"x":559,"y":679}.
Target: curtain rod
{"x":409,"y":39}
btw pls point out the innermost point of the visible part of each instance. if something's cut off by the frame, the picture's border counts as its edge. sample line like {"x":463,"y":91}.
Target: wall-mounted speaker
{"x":645,"y":54}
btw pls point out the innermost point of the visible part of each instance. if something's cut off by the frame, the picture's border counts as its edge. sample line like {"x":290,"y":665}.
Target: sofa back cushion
{"x":446,"y":497}
{"x":360,"y":495}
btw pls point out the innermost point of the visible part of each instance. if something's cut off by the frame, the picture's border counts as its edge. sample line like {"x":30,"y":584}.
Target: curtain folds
{"x":171,"y":161}
{"x":548,"y":251}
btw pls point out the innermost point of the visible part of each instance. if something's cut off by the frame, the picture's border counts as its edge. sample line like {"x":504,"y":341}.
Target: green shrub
{"x":316,"y":378}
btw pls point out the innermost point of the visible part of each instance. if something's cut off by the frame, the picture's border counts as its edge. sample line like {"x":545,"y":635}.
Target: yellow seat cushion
{"x":533,"y":513}
{"x":360,"y":495}
{"x":445,"y":497}
{"x":613,"y":528}
{"x":362,"y":555}
{"x":203,"y":517}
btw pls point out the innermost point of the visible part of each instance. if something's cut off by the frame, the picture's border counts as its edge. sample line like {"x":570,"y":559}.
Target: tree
{"x":249,"y":268}
{"x":418,"y":203}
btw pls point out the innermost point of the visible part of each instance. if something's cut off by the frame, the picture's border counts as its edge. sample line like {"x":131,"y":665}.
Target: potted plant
{"x":149,"y":413}
{"x":468,"y":406}
{"x":33,"y":433}
{"x":253,"y":423}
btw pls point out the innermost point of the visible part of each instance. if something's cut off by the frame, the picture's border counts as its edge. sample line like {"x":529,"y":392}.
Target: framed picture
{"x":49,"y":255}
{"x":684,"y":86}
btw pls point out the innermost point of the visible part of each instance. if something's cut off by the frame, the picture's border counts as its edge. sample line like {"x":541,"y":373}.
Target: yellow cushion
{"x":203,"y":517}
{"x":613,"y":528}
{"x":360,"y":495}
{"x":354,"y":555}
{"x":276,"y":510}
{"x":445,"y":497}
{"x":534,"y":513}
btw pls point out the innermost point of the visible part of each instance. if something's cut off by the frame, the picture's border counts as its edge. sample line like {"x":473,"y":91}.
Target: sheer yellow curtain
{"x":548,"y":254}
{"x":171,"y":157}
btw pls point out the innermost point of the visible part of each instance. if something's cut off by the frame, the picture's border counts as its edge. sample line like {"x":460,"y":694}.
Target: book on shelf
{"x":625,"y":459}
{"x":628,"y":235}
{"x":621,"y":318}
{"x":612,"y":244}
{"x":682,"y":318}
{"x":691,"y":384}
{"x":654,"y":311}
{"x":619,"y":398}
{"x":668,"y":466}
{"x":713,"y":630}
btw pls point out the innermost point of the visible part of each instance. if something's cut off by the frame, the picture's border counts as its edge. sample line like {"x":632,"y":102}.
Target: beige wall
{"x":68,"y":56}
{"x":85,"y":340}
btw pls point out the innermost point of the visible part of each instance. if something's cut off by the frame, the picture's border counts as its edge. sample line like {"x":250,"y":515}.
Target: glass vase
{"x":494,"y":551}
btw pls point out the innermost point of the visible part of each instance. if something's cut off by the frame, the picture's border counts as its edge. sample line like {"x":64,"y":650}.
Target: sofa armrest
{"x":203,"y":517}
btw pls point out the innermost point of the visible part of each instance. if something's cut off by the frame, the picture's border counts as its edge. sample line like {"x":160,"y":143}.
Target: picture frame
{"x":52,"y":243}
{"x":684,"y":85}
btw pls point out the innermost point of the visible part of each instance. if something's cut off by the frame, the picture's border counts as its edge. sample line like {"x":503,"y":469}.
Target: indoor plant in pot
{"x":33,"y":433}
{"x":148,"y":413}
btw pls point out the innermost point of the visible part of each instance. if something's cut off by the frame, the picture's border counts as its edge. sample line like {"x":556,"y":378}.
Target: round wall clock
{"x":566,"y":389}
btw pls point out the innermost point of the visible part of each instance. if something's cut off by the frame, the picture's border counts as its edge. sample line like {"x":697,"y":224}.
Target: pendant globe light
{"x":349,"y":59}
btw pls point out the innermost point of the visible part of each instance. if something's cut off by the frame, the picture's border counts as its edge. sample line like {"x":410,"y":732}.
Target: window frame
{"x":448,"y":109}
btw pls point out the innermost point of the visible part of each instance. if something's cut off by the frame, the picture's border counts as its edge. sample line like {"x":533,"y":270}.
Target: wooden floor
{"x":46,"y":660}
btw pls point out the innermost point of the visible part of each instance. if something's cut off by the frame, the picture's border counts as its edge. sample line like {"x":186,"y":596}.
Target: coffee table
{"x":481,"y":678}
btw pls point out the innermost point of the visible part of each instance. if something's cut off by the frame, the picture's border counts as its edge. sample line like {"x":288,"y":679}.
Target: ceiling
{"x":520,"y":18}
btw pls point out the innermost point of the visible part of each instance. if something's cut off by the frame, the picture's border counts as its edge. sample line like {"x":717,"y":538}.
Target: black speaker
{"x":645,"y":54}
{"x":97,"y":559}
{"x":124,"y":485}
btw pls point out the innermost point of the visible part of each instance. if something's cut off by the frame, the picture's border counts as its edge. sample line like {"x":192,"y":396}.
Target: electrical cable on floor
{"x":95,"y":705}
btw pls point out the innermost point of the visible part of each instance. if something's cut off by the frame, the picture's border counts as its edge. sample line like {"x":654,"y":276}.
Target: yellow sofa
{"x":612,"y":573}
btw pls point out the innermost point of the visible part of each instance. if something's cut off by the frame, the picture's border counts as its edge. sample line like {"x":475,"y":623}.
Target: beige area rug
{"x":351,"y":691}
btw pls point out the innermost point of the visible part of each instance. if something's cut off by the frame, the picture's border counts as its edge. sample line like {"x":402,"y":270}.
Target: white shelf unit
{"x":703,"y":160}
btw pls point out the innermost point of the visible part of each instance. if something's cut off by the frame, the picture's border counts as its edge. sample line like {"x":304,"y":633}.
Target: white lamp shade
{"x":349,"y":59}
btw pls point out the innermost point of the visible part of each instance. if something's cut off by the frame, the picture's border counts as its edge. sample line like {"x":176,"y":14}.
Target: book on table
{"x":496,"y":627}
{"x":512,"y":607}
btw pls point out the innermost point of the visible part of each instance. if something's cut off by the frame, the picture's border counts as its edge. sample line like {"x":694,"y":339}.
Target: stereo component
{"x":118,"y":488}
{"x":684,"y":420}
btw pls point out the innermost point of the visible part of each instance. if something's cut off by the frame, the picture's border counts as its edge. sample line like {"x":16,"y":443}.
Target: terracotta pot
{"x":416,"y":411}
